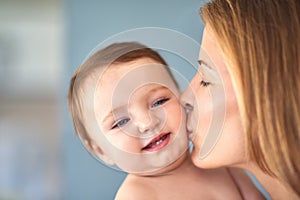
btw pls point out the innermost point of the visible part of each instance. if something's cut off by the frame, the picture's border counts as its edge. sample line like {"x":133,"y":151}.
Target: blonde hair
{"x":117,"y":53}
{"x":260,"y":40}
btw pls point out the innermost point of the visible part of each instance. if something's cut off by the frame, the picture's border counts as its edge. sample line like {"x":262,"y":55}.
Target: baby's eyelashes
{"x":159,"y":102}
{"x":120,"y":123}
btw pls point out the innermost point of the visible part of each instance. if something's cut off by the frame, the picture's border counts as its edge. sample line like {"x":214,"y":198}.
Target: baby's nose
{"x":147,"y":123}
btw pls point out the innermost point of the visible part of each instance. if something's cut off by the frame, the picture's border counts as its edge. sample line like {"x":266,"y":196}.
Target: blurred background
{"x":41,"y":44}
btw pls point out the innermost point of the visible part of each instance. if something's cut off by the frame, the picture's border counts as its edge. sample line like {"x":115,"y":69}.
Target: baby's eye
{"x":159,"y":102}
{"x":120,"y":123}
{"x":204,"y":83}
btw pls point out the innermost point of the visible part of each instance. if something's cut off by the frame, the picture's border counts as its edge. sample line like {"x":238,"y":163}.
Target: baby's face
{"x":137,"y":109}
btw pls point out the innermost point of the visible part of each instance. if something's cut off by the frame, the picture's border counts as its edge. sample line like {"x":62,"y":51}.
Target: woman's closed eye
{"x":204,"y":83}
{"x":159,"y":102}
{"x":205,"y":71}
{"x":120,"y":123}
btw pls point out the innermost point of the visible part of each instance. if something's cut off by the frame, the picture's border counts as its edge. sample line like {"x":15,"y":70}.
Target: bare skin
{"x":273,"y":186}
{"x":195,"y":183}
{"x":230,"y":150}
{"x":154,"y":111}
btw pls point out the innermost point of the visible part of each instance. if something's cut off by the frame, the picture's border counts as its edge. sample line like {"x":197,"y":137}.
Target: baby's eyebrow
{"x":110,"y":113}
{"x":161,"y":87}
{"x":121,"y":108}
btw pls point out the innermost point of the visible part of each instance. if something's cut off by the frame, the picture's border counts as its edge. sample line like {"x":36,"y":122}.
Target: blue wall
{"x":88,"y":24}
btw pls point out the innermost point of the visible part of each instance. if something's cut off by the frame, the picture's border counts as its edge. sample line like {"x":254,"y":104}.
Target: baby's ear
{"x":95,"y":150}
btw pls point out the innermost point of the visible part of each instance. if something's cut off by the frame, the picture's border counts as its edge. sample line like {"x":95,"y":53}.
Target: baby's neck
{"x":185,"y":164}
{"x":177,"y":167}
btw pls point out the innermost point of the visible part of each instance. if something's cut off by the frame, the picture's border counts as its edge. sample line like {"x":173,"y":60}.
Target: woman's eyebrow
{"x":202,"y":62}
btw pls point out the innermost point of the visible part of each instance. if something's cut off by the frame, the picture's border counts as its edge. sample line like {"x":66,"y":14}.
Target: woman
{"x":254,"y":48}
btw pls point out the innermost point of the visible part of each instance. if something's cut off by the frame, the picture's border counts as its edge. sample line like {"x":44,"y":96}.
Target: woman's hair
{"x":116,"y":53}
{"x":260,"y":42}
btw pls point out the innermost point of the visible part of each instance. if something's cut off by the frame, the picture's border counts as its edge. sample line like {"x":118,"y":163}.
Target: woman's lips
{"x":157,"y":143}
{"x":190,"y":134}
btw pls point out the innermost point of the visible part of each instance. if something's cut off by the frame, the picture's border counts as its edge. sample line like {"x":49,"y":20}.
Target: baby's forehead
{"x":127,"y":77}
{"x":142,"y":70}
{"x":126,"y":67}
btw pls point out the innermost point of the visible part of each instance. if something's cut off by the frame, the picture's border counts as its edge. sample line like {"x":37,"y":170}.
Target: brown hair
{"x":117,"y":53}
{"x":260,"y":40}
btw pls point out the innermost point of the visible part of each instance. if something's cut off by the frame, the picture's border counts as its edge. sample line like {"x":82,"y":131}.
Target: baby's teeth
{"x":158,"y":142}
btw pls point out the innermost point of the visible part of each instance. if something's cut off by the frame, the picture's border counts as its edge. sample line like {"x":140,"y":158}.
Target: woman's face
{"x":214,"y":121}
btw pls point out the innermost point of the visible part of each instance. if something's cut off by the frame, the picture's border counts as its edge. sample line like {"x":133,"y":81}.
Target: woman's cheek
{"x":202,"y":117}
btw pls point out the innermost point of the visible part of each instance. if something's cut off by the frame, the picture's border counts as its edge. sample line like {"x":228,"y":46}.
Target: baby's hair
{"x":116,"y":53}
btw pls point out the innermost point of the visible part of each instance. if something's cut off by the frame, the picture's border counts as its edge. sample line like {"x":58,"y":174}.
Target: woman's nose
{"x":187,"y":99}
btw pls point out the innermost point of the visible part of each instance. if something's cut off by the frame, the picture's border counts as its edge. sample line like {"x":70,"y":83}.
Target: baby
{"x":124,"y":105}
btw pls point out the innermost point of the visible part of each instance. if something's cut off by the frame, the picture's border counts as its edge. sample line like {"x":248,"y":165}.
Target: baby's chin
{"x":163,"y":170}
{"x":151,"y":164}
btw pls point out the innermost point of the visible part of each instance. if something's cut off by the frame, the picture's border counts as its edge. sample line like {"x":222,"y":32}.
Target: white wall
{"x":31,"y":66}
{"x":31,"y":47}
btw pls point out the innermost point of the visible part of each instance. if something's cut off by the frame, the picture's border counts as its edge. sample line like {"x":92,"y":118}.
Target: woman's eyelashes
{"x":119,"y":123}
{"x":205,"y":71}
{"x":159,"y":102}
{"x":204,"y":83}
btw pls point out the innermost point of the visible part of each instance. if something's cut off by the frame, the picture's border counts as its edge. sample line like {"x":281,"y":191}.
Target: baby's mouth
{"x":157,"y":143}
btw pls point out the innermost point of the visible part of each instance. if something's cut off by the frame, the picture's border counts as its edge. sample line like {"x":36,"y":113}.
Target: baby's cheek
{"x":120,"y":142}
{"x":175,"y":116}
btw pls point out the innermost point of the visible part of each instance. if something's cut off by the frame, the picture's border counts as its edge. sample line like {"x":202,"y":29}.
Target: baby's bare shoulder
{"x":135,"y":188}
